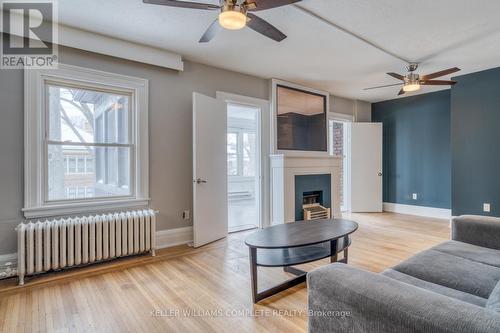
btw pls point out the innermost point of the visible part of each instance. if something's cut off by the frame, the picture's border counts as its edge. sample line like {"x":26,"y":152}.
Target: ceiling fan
{"x":234,"y":15}
{"x":413,"y":81}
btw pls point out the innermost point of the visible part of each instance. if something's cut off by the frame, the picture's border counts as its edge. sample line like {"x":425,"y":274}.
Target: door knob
{"x":200,"y":181}
{"x":380,"y":174}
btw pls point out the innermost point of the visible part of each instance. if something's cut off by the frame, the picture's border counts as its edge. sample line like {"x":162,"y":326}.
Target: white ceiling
{"x":441,"y":34}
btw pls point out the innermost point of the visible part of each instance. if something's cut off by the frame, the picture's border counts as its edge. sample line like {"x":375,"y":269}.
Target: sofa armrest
{"x":478,"y":230}
{"x":346,"y":299}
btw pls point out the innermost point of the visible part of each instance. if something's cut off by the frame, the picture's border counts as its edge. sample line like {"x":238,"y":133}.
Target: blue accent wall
{"x":416,"y":149}
{"x":312,"y":183}
{"x":475,"y":137}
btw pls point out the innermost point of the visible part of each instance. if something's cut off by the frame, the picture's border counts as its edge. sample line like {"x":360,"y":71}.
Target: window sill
{"x":82,"y":207}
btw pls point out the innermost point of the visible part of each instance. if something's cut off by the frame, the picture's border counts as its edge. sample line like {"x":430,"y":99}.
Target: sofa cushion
{"x":494,"y":300}
{"x":451,"y":271}
{"x":477,"y":230}
{"x":453,"y":293}
{"x":472,"y":252}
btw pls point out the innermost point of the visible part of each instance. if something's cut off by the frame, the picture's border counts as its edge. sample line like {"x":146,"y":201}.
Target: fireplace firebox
{"x":312,"y":196}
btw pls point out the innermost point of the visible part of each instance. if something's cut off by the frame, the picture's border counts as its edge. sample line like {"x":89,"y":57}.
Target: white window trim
{"x":34,"y":136}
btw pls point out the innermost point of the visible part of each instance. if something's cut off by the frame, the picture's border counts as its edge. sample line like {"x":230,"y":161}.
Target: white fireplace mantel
{"x":283,"y":171}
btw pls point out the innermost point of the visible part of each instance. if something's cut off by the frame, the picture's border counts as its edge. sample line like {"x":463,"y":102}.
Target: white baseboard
{"x":438,"y":213}
{"x":8,"y":265}
{"x":173,"y":237}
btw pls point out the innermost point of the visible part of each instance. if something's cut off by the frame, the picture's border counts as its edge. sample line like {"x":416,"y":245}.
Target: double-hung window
{"x":241,"y":152}
{"x":86,"y":138}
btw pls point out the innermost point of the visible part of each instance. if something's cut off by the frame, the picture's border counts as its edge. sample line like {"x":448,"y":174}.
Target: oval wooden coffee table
{"x":296,"y":243}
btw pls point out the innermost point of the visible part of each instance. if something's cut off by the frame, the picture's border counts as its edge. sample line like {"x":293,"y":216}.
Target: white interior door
{"x":209,"y":170}
{"x":366,"y":167}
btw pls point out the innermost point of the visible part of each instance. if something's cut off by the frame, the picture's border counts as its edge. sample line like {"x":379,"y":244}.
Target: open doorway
{"x":243,"y":167}
{"x":339,"y":146}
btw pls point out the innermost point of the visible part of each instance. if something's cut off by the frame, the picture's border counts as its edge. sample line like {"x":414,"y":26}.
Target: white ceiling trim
{"x":102,"y":44}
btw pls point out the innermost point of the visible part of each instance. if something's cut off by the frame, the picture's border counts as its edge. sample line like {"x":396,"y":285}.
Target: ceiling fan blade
{"x":397,"y":76}
{"x":256,"y":5}
{"x":387,"y":85}
{"x":265,"y":28}
{"x":401,"y":92}
{"x":182,"y":4}
{"x":438,"y":83}
{"x":440,"y":73}
{"x":212,"y":30}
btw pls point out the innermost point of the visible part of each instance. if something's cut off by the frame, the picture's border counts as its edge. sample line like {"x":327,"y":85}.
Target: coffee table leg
{"x":253,"y":272}
{"x":346,"y":250}
{"x":257,"y":296}
{"x":333,"y":251}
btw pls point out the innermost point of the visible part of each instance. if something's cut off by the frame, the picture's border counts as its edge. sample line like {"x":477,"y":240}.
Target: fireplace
{"x":312,"y":196}
{"x":300,"y":180}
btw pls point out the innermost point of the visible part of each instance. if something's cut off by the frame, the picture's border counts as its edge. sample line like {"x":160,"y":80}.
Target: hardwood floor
{"x":196,"y":290}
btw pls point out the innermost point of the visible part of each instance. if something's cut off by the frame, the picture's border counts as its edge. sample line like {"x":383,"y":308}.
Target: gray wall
{"x":359,"y":109}
{"x":475,"y":139}
{"x":11,"y":160}
{"x":170,"y":95}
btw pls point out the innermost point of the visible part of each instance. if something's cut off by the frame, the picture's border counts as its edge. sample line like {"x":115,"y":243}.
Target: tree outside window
{"x":88,"y":147}
{"x":241,"y":152}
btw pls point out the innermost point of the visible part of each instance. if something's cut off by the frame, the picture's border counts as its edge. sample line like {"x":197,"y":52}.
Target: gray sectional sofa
{"x":452,"y":287}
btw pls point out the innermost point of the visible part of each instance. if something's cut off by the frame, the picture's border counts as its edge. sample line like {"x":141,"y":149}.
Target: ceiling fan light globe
{"x":232,"y":20}
{"x":411,"y":87}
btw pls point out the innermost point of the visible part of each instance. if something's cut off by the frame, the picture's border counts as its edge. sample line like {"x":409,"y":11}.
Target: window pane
{"x":71,"y":191}
{"x":232,"y":165}
{"x":89,"y":192}
{"x":111,"y":179}
{"x":232,"y":150}
{"x":232,"y":143}
{"x":72,"y":165}
{"x":249,"y":154}
{"x":90,"y":165}
{"x":81,"y":165}
{"x":80,"y":115}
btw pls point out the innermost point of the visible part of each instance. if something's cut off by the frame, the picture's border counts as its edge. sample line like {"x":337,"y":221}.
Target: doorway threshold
{"x":241,"y":228}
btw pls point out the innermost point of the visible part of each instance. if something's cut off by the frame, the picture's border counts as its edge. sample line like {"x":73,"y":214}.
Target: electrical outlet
{"x":486,"y":207}
{"x":186,"y":215}
{"x":414,"y":196}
